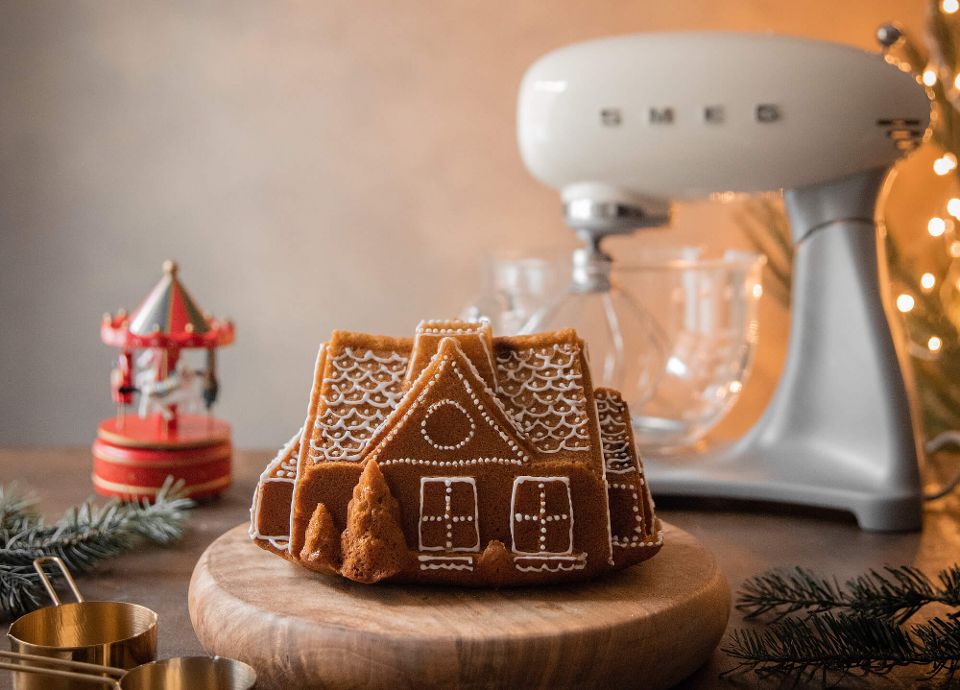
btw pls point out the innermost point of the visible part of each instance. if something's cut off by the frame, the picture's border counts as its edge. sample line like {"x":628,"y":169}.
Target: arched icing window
{"x":448,"y":514}
{"x":542,"y":521}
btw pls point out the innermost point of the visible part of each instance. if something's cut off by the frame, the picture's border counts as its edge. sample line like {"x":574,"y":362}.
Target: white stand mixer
{"x":625,"y":125}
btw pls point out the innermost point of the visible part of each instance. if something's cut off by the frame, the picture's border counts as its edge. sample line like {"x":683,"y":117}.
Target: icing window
{"x":542,"y":517}
{"x":448,"y":514}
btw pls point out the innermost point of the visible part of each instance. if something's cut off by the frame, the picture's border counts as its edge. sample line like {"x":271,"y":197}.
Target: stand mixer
{"x":624,"y":126}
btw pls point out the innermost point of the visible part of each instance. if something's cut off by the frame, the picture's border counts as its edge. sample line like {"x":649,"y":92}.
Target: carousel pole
{"x":170,"y":358}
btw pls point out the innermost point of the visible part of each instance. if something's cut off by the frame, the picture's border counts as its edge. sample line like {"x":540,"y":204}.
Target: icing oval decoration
{"x":447,"y":425}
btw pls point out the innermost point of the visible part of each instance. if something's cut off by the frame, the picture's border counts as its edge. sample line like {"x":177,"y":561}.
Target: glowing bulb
{"x":929,"y":77}
{"x":950,"y":6}
{"x":736,"y":386}
{"x":934,"y":344}
{"x":905,"y":302}
{"x":956,"y":80}
{"x":758,"y":291}
{"x":945,"y":164}
{"x":953,"y":206}
{"x":927,"y":280}
{"x":955,"y":249}
{"x":937,"y":226}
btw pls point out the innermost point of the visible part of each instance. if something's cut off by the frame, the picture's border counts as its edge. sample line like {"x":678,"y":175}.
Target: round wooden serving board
{"x":648,"y":626}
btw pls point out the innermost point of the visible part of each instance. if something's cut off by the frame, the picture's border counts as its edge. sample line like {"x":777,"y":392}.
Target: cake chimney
{"x":474,"y":338}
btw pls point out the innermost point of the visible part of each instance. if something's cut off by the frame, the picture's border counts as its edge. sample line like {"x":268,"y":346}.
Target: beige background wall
{"x":311,"y":165}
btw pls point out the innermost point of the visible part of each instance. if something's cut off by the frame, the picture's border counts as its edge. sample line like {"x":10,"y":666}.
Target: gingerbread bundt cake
{"x":458,"y":458}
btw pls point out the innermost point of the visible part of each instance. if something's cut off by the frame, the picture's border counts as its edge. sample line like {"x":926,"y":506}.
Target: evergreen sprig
{"x":895,"y":593}
{"x":842,"y":644}
{"x":84,"y":536}
{"x":16,"y":508}
{"x":824,"y":629}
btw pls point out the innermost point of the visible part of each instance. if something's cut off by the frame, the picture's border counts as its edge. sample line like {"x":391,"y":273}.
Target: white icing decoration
{"x":635,"y":542}
{"x":445,"y":361}
{"x":446,"y":562}
{"x":551,"y":564}
{"x":478,"y":331}
{"x":433,"y":408}
{"x":441,"y":327}
{"x":620,"y":459}
{"x":544,"y":391}
{"x":633,"y":539}
{"x":450,"y":515}
{"x":618,"y":454}
{"x":449,"y":463}
{"x":283,"y":468}
{"x":541,"y":515}
{"x":360,"y":391}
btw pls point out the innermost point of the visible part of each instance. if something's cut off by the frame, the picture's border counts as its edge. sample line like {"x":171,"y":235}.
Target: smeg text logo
{"x":764,"y":113}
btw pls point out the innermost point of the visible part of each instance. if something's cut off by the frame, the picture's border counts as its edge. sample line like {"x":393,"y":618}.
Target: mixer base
{"x":801,"y":476}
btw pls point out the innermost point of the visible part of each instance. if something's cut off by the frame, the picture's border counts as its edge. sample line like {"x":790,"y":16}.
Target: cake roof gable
{"x":357,"y":384}
{"x":545,"y":386}
{"x":449,"y":416}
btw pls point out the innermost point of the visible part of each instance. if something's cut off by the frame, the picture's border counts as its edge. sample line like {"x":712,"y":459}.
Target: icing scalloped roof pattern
{"x":361,"y":388}
{"x":542,"y":389}
{"x":614,"y":433}
{"x":284,"y":464}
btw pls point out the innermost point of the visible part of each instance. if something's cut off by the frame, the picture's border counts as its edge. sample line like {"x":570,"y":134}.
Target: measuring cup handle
{"x":68,"y":675}
{"x":38,"y":564}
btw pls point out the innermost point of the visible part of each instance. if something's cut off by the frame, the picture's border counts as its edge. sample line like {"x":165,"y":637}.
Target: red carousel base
{"x":132,"y":456}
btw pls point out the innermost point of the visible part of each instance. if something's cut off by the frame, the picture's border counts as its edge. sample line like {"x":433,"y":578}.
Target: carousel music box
{"x":174,"y":432}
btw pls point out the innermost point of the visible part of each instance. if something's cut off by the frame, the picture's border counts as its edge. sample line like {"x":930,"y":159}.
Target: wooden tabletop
{"x":745,"y":539}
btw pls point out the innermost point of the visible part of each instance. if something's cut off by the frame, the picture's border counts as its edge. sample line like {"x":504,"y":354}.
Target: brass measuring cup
{"x":108,"y":633}
{"x":179,"y":673}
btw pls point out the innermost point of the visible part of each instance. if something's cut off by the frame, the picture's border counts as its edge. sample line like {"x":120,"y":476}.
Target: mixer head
{"x":623,"y":126}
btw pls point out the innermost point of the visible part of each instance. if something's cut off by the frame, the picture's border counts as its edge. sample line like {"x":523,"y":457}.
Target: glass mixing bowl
{"x":706,"y":309}
{"x":673,"y":330}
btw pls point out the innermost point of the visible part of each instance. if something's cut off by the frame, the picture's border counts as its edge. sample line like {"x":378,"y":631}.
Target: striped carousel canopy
{"x":168,"y":317}
{"x":168,"y":309}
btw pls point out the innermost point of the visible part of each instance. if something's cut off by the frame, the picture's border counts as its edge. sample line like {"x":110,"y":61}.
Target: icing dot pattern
{"x":618,"y":455}
{"x":361,"y":389}
{"x":542,"y":389}
{"x":470,"y":433}
{"x":542,"y":520}
{"x":283,"y":468}
{"x":448,"y":514}
{"x":284,"y":464}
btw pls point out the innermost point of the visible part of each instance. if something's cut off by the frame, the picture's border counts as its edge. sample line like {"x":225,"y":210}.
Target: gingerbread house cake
{"x":461,"y":458}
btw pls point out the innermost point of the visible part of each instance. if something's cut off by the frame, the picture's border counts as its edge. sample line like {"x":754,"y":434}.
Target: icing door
{"x":542,"y":521}
{"x":448,"y":514}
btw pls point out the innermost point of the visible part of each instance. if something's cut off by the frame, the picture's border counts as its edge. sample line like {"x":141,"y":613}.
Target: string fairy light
{"x":936,"y":226}
{"x":934,"y":344}
{"x":945,"y":164}
{"x":928,"y":280}
{"x":950,"y":6}
{"x":929,"y":76}
{"x":953,"y":206}
{"x":905,"y":303}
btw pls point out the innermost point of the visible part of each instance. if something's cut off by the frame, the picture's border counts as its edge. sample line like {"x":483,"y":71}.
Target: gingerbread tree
{"x":321,"y":549}
{"x":373,"y":544}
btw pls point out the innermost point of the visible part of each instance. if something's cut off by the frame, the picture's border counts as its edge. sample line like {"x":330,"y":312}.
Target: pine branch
{"x":823,"y":644}
{"x":782,"y":594}
{"x":901,"y":592}
{"x":16,"y":509}
{"x":829,"y":644}
{"x":83,"y":537}
{"x":894,"y":594}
